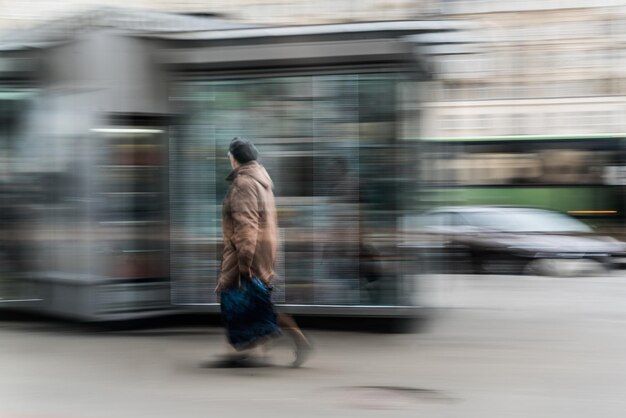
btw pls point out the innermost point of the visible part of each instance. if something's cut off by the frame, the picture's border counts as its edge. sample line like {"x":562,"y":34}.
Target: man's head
{"x":241,"y":151}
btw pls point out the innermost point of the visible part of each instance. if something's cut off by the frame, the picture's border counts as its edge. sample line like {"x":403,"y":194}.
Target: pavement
{"x":496,"y":346}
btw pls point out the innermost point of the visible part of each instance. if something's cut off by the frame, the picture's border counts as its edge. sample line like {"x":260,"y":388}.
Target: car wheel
{"x":536,"y":268}
{"x":479,"y":263}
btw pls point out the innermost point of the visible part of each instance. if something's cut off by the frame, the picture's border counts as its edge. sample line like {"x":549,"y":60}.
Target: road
{"x":496,"y":347}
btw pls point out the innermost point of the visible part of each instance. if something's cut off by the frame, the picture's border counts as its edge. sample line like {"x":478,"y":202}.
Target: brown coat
{"x":249,"y":226}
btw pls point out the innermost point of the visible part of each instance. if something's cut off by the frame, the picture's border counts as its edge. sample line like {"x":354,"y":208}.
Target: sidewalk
{"x":472,"y":362}
{"x":54,"y":371}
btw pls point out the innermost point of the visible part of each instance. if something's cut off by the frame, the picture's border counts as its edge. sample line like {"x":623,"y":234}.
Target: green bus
{"x":584,"y":176}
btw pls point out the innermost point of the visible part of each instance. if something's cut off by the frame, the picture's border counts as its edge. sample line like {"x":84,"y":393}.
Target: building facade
{"x":543,"y":67}
{"x":540,"y":70}
{"x":17,"y":13}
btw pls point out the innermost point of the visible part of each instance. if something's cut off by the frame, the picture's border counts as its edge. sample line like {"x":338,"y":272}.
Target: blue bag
{"x":248,"y":314}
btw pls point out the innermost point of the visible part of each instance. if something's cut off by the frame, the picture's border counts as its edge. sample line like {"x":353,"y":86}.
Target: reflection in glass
{"x":329,"y":143}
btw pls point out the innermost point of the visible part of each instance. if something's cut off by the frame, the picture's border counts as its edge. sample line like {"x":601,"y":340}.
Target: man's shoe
{"x":303,"y":351}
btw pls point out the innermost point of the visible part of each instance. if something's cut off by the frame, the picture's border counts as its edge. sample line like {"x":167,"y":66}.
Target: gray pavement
{"x":496,"y":347}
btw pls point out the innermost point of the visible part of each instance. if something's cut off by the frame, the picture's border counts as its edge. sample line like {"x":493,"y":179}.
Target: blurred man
{"x":250,"y":230}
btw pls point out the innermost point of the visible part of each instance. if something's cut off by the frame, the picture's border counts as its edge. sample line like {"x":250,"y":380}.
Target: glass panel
{"x":130,"y":204}
{"x":328,"y":141}
{"x":16,"y":197}
{"x":195,"y":235}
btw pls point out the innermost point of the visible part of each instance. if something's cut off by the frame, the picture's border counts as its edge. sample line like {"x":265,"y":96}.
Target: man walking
{"x":250,"y":231}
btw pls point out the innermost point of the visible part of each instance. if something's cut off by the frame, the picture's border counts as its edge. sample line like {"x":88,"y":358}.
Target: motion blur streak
{"x":426,"y":154}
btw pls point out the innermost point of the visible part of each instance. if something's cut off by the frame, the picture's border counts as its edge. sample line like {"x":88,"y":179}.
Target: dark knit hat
{"x":243,"y":150}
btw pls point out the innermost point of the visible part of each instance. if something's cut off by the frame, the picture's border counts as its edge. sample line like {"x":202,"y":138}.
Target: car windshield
{"x":530,"y":220}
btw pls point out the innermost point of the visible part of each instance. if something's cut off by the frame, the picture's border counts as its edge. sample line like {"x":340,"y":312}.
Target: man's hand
{"x":219,"y":288}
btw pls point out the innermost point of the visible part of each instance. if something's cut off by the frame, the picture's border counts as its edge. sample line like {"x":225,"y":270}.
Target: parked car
{"x":505,"y":240}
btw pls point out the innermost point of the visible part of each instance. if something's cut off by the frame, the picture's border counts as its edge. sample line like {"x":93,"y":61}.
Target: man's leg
{"x":303,"y":347}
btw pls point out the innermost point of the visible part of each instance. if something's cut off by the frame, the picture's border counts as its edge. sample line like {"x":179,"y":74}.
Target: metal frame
{"x":328,"y":57}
